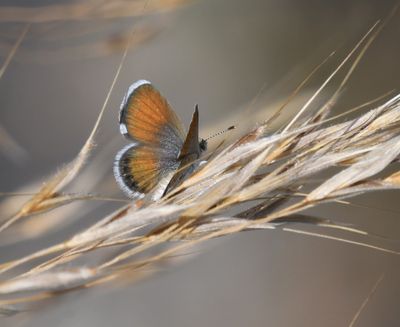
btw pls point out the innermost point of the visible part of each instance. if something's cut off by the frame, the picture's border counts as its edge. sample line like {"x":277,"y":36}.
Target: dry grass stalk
{"x":86,"y":10}
{"x":43,"y":24}
{"x":366,"y":300}
{"x":253,"y":183}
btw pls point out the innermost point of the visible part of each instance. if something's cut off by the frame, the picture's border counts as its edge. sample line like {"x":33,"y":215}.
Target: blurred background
{"x":235,"y":59}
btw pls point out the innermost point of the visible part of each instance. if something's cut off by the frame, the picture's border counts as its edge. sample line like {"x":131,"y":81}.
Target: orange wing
{"x":138,"y":169}
{"x":148,"y":120}
{"x":160,"y":144}
{"x":146,"y":117}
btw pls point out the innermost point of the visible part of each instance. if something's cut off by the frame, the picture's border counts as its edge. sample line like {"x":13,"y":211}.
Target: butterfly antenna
{"x":221,"y":132}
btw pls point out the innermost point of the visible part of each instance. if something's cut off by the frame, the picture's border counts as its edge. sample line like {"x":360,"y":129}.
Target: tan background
{"x":218,"y":54}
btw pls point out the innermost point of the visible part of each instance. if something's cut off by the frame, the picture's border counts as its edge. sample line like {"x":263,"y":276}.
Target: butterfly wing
{"x":138,"y":169}
{"x":147,"y":119}
{"x":191,"y":146}
{"x":188,"y":155}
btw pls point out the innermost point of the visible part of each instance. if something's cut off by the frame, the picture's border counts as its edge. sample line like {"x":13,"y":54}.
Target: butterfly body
{"x":161,"y":155}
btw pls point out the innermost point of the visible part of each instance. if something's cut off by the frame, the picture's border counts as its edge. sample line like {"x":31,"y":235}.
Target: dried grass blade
{"x":51,"y":281}
{"x":365,"y":302}
{"x":307,"y":104}
{"x":369,"y":165}
{"x":342,"y":240}
{"x":14,"y":50}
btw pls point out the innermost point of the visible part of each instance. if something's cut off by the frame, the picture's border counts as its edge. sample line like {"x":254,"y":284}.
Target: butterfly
{"x":161,"y":154}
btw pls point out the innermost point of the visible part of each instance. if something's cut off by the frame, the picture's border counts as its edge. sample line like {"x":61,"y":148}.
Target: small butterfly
{"x":161,"y":156}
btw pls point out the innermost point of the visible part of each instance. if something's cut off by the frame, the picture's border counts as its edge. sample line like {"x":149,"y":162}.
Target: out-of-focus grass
{"x":252,"y":183}
{"x":259,"y":181}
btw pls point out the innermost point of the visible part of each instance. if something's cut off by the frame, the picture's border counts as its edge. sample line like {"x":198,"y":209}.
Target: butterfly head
{"x":203,"y":145}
